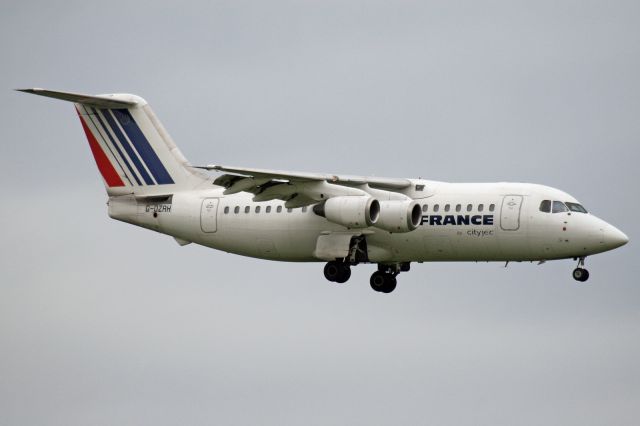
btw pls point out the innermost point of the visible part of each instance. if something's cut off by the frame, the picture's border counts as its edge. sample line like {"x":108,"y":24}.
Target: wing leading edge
{"x":299,"y":189}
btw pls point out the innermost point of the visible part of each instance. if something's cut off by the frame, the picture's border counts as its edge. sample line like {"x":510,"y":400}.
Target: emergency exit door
{"x":209,"y":215}
{"x":510,"y":212}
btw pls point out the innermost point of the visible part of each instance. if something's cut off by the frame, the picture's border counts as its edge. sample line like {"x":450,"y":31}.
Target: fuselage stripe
{"x":143,"y":146}
{"x":127,"y":147}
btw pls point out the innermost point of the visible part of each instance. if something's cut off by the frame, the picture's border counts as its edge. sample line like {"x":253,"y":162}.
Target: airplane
{"x":342,"y":220}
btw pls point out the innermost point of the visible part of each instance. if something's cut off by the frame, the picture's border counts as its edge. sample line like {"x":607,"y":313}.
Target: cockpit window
{"x":575,"y":207}
{"x":545,"y":206}
{"x":559,"y":207}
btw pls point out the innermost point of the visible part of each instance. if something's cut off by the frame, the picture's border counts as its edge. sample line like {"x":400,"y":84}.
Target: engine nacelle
{"x":352,"y":211}
{"x":399,"y":216}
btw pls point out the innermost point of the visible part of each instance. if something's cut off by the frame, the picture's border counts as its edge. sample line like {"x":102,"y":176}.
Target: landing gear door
{"x":332,"y":246}
{"x":348,"y":246}
{"x":209,"y":215}
{"x":510,"y":212}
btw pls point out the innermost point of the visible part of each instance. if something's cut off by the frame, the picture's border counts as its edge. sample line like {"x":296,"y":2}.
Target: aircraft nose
{"x":614,"y":238}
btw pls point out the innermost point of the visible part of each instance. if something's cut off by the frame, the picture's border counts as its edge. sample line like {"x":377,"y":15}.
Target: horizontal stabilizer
{"x":90,"y":100}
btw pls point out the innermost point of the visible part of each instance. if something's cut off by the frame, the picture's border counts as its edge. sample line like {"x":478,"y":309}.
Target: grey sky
{"x":104,"y":323}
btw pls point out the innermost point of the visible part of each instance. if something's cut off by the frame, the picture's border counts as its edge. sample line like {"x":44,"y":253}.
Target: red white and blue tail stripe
{"x":122,"y":151}
{"x":132,"y":150}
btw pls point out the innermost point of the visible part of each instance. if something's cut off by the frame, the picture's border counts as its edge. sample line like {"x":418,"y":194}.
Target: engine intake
{"x":352,"y":211}
{"x":399,"y":216}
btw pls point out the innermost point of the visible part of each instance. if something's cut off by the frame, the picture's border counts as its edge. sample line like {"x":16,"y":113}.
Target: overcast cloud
{"x":102,"y":323}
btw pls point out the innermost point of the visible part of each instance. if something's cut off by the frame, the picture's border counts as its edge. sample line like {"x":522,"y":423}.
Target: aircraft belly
{"x":293,"y":236}
{"x":251,"y":242}
{"x":297,"y":240}
{"x":462,"y":243}
{"x":427,"y":244}
{"x":289,"y":237}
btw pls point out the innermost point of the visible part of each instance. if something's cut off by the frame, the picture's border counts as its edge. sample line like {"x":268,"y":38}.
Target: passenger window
{"x":469,"y":207}
{"x":425,"y":208}
{"x":436,"y":207}
{"x":236,"y":209}
{"x":257,"y":209}
{"x":246,"y":209}
{"x":545,"y":206}
{"x":492,"y":207}
{"x":458,"y":207}
{"x":447,"y":208}
{"x":226,"y":210}
{"x":289,"y":210}
{"x":559,"y":207}
{"x":279,"y":209}
{"x":480,"y":207}
{"x":268,"y":209}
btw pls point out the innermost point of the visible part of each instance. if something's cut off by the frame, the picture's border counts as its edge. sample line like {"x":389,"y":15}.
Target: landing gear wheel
{"x":580,"y":274}
{"x":377,"y":280}
{"x":332,"y":271}
{"x":382,"y":282}
{"x":390,"y":285}
{"x":345,"y":274}
{"x":337,"y":272}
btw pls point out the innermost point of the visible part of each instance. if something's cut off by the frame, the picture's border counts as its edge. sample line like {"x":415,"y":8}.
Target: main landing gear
{"x":337,"y":272}
{"x":383,"y":280}
{"x":580,"y":274}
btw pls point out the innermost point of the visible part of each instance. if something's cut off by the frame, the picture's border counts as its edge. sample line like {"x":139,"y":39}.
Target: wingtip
{"x":207,"y":167}
{"x":31,"y":90}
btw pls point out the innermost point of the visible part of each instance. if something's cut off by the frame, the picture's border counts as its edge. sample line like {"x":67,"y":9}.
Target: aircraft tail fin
{"x":133,"y":151}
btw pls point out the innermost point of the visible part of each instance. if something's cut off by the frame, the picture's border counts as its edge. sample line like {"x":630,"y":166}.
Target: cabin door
{"x":208,"y":215}
{"x":510,"y":212}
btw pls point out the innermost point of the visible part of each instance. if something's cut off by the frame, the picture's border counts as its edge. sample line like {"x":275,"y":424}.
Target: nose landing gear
{"x":580,"y":274}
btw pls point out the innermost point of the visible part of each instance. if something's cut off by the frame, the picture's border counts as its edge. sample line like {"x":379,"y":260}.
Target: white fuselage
{"x":340,"y":219}
{"x":460,"y":222}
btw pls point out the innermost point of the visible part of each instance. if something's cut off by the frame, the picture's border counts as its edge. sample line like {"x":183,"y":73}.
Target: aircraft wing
{"x":298,"y":188}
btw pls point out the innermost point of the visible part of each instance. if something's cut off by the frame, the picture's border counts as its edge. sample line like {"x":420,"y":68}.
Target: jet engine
{"x":399,"y":216}
{"x":352,"y":211}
